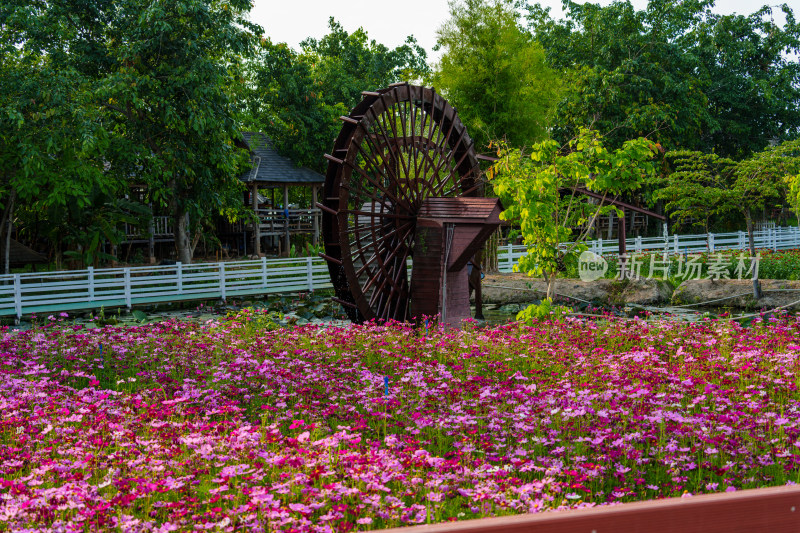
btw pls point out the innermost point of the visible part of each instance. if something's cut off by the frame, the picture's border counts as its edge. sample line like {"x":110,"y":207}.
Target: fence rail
{"x":770,"y":238}
{"x":280,"y":221}
{"x":160,"y":227}
{"x":774,"y":509}
{"x":48,"y":292}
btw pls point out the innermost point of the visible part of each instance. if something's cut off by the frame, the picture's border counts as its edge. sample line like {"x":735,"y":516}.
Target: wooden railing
{"x":279,"y":221}
{"x":770,"y":510}
{"x":771,"y":238}
{"x":48,"y":292}
{"x":112,"y":287}
{"x":161,"y":227}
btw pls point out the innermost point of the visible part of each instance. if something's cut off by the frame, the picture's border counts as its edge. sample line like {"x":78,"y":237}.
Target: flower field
{"x":235,"y":424}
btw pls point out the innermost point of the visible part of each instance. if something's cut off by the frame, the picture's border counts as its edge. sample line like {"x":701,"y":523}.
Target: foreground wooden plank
{"x":772,"y":510}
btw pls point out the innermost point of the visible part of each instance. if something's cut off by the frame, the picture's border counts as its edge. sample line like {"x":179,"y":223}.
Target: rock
{"x":517,"y":288}
{"x":646,"y":292}
{"x":509,"y":308}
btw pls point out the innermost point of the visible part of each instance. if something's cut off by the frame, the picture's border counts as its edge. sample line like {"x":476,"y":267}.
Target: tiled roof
{"x":271,"y":167}
{"x":19,"y":254}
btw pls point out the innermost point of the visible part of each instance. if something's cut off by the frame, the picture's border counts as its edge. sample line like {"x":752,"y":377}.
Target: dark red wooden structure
{"x":450,"y":231}
{"x":768,"y":510}
{"x":403,"y":182}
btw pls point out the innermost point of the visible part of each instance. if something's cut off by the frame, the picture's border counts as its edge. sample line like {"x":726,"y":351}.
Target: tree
{"x":52,"y":139}
{"x":696,"y":187}
{"x":170,"y":86}
{"x":539,"y":192}
{"x":763,"y":181}
{"x":751,"y":77}
{"x":297,"y":97}
{"x":127,"y":91}
{"x":675,"y":72}
{"x":495,"y":74}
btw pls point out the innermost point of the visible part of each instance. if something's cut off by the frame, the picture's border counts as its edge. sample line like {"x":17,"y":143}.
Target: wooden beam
{"x":287,"y":243}
{"x":257,"y":232}
{"x":618,"y":203}
{"x":621,"y":235}
{"x":315,"y":217}
{"x":773,"y":510}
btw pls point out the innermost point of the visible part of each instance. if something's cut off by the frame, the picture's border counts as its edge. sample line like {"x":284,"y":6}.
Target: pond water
{"x":317,"y":308}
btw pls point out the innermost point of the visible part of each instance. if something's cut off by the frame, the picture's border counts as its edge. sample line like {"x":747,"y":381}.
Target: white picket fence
{"x":770,"y":238}
{"x":49,"y":292}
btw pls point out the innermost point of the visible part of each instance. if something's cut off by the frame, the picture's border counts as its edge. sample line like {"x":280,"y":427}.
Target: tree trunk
{"x":5,"y":226}
{"x":182,"y":245}
{"x":751,"y":243}
{"x":551,"y":282}
{"x":750,"y":237}
{"x":489,"y":261}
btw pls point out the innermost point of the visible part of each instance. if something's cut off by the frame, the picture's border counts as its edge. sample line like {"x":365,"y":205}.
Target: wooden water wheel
{"x":398,"y":147}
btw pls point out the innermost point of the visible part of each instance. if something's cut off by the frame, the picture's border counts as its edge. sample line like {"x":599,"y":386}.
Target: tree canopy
{"x":540,"y":191}
{"x":175,"y":69}
{"x":494,"y":73}
{"x":105,"y":94}
{"x":297,"y":97}
{"x":696,"y":187}
{"x":677,"y":72}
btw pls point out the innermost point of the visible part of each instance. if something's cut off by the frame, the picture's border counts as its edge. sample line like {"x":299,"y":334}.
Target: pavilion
{"x":271,"y":171}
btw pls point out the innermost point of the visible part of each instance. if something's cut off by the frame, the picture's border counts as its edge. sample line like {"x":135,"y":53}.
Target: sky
{"x":389,"y":23}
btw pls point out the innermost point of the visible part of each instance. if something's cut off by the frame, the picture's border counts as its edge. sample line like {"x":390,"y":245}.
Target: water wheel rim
{"x":432,"y":156}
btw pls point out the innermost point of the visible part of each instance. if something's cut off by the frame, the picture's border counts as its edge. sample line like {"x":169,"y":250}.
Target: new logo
{"x":591,"y":266}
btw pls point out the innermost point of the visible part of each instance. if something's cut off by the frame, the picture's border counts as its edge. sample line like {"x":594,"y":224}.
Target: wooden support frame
{"x":257,"y":225}
{"x":315,"y":221}
{"x":772,"y":510}
{"x":286,"y":240}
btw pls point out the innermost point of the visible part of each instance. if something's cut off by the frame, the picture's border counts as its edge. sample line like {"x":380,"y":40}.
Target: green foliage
{"x":173,"y":75}
{"x":52,"y":140}
{"x":97,"y":95}
{"x":538,"y":192}
{"x":297,"y":97}
{"x":771,"y":176}
{"x":783,"y":264}
{"x":697,"y":188}
{"x":495,"y":74}
{"x":676,"y":72}
{"x":544,"y":310}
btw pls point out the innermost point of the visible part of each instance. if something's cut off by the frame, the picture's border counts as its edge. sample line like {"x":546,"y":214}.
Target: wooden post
{"x":621,"y":239}
{"x":222,"y":281}
{"x":314,"y":219}
{"x":257,"y":228}
{"x":18,"y":296}
{"x":90,"y":282}
{"x":127,"y":285}
{"x":286,"y":242}
{"x":477,"y":266}
{"x":152,"y":244}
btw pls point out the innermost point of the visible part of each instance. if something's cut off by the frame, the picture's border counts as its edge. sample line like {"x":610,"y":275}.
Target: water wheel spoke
{"x":407,"y":145}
